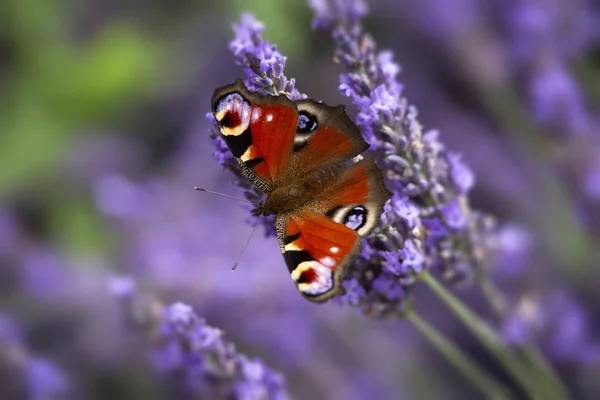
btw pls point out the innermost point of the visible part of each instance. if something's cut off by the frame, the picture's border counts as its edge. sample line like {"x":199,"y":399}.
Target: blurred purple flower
{"x":118,"y":197}
{"x":121,"y":286}
{"x":556,"y":321}
{"x":44,"y":273}
{"x":545,"y":35}
{"x":591,"y":185}
{"x":514,"y":248}
{"x":43,"y":379}
{"x":100,"y":153}
{"x":196,"y":361}
{"x":557,"y":100}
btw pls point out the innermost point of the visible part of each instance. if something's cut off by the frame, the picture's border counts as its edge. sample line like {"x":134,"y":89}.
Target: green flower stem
{"x":504,"y":355}
{"x":571,"y":247}
{"x":487,"y":385}
{"x":587,"y":74}
{"x":545,"y":374}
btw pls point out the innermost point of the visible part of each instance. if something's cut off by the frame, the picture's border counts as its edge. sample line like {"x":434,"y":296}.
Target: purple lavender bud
{"x":406,"y":210}
{"x":413,"y":260}
{"x":388,"y":288}
{"x":454,"y":215}
{"x":355,"y":292}
{"x":261,"y":61}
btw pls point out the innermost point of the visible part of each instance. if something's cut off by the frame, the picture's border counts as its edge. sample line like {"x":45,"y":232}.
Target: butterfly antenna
{"x":247,"y":243}
{"x":224,"y":195}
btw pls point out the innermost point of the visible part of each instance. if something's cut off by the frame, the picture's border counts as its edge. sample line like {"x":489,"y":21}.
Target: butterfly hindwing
{"x":324,"y":134}
{"x":316,"y":249}
{"x":259,"y":131}
{"x":357,"y":198}
{"x":320,"y":240}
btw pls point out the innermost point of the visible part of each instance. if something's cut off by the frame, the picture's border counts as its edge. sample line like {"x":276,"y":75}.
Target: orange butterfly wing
{"x":324,"y":135}
{"x":315,"y":248}
{"x":321,"y":239}
{"x":259,"y":131}
{"x":277,"y":141}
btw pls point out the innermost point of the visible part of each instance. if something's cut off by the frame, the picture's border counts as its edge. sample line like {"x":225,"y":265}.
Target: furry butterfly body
{"x":298,"y":153}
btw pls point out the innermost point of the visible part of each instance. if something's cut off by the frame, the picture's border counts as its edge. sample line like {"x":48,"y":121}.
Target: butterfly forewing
{"x":324,"y":135}
{"x":259,"y":131}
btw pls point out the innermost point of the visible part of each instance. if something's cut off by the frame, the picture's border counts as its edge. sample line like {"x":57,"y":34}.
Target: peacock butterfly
{"x":298,"y":153}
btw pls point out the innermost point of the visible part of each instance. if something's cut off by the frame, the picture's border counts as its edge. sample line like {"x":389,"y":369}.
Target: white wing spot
{"x":327,"y":261}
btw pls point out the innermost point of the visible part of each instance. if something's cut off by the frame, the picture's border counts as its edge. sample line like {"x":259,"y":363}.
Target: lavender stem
{"x":535,"y":386}
{"x":487,"y":385}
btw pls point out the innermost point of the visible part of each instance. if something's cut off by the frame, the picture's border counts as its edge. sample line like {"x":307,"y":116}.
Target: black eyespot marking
{"x":308,"y":276}
{"x":239,"y":144}
{"x":293,"y":258}
{"x":232,"y":113}
{"x":356,"y":218}
{"x":307,"y":123}
{"x":230,"y":120}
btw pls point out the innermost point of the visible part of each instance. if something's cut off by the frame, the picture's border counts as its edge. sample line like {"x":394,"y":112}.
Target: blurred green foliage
{"x":54,"y":89}
{"x":57,"y":86}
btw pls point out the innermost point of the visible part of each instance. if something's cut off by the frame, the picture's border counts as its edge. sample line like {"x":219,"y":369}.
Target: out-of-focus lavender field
{"x":104,"y":244}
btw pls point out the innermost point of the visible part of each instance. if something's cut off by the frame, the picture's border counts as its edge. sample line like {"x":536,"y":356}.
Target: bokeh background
{"x":103,"y":136}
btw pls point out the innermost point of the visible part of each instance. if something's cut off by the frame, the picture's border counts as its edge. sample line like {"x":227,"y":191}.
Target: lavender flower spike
{"x":430,"y":223}
{"x":192,"y":357}
{"x":263,"y":65}
{"x":262,"y":62}
{"x":209,"y":366}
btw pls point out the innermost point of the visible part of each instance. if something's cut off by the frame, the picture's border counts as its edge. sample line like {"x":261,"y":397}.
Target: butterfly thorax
{"x":282,"y":199}
{"x":299,"y":191}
